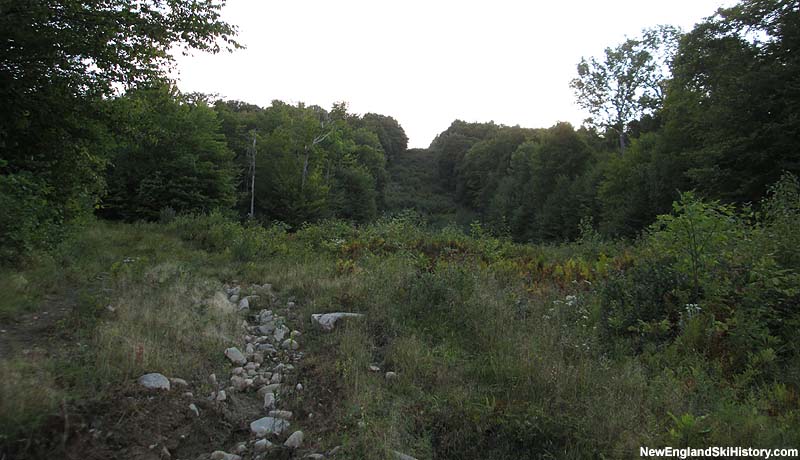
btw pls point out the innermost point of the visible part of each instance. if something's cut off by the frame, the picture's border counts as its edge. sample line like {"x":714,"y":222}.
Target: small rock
{"x":249,"y":349}
{"x":272,"y":388}
{"x":234,"y":298}
{"x":401,"y":456}
{"x":265,"y":329}
{"x":284,"y":414}
{"x":240,"y":448}
{"x":315,"y":456}
{"x":179,"y":382}
{"x":328,"y":320}
{"x":334,"y":451}
{"x":244,"y":304}
{"x":290,"y":344}
{"x":237,"y":371}
{"x":295,"y":333}
{"x":299,"y":387}
{"x":295,"y":440}
{"x":276,"y":378}
{"x":194,"y":409}
{"x":189,"y":394}
{"x":238,"y":383}
{"x":262,"y":445}
{"x":235,"y":356}
{"x":391,"y":376}
{"x":221,"y":396}
{"x":374,"y":368}
{"x":269,"y":401}
{"x":265,"y":316}
{"x":220,"y":455}
{"x":154,"y":381}
{"x":280,"y":333}
{"x":212,"y":379}
{"x":268,"y":425}
{"x":266,"y":347}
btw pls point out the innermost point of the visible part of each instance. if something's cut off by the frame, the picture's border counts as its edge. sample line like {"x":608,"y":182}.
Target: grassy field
{"x":587,"y":350}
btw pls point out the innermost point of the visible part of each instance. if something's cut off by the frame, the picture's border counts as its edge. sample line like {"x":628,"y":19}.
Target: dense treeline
{"x":310,"y":163}
{"x":714,"y":110}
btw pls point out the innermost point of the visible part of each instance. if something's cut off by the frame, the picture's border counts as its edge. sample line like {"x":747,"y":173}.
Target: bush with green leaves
{"x":28,"y":221}
{"x":708,"y":278}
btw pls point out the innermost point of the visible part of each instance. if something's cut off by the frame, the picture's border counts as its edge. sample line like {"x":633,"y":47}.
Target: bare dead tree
{"x":307,"y":149}
{"x":252,"y":174}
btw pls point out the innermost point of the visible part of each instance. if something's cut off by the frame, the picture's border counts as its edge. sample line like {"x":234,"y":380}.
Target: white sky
{"x":425,"y":63}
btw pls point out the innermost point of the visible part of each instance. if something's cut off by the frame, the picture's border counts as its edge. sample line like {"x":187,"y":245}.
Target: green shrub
{"x":28,"y":220}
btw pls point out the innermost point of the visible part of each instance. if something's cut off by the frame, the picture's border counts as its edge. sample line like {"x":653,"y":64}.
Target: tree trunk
{"x":305,"y":171}
{"x":253,"y":178}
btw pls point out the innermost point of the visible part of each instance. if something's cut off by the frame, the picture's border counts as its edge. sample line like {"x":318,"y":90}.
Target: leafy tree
{"x":391,"y":135}
{"x":628,"y":82}
{"x":59,"y":58}
{"x":169,"y":153}
{"x":639,"y":186}
{"x":733,"y":102}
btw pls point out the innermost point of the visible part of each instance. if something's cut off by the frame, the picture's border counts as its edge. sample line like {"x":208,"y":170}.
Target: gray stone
{"x":374,"y":368}
{"x":280,"y":333}
{"x":244,"y":304}
{"x":240,"y":448}
{"x":299,"y":387}
{"x":315,"y":456}
{"x":284,"y":414}
{"x":194,"y":409}
{"x":295,"y":440}
{"x":154,"y":381}
{"x":334,"y":451}
{"x":328,"y":320}
{"x":401,"y":456}
{"x":266,"y":347}
{"x":272,"y":388}
{"x":220,"y":455}
{"x":239,"y":383}
{"x":212,"y":379}
{"x":269,"y":401}
{"x":261,"y":445}
{"x":268,"y":425}
{"x":265,"y":316}
{"x":179,"y":382}
{"x":276,"y":378}
{"x":391,"y":376}
{"x":235,"y":356}
{"x":266,"y":328}
{"x":290,"y":344}
{"x":221,"y":396}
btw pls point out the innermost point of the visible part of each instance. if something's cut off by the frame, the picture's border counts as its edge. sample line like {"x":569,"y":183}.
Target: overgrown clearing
{"x":501,"y":350}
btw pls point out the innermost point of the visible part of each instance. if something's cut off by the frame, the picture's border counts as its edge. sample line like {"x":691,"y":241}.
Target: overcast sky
{"x":425,"y":63}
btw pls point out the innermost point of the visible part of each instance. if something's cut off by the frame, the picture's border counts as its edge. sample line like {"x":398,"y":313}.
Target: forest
{"x":552,"y":292}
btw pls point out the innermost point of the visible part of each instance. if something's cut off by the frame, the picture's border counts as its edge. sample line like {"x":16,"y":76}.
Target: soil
{"x":132,"y":423}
